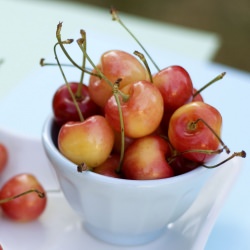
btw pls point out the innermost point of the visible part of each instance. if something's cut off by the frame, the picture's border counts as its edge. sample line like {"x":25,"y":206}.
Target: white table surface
{"x":28,"y":34}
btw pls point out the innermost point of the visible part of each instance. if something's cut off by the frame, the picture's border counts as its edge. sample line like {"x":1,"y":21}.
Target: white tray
{"x":59,"y":228}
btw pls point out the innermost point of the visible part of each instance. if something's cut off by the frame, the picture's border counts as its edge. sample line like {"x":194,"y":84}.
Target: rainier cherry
{"x":27,"y":207}
{"x":142,"y":111}
{"x":145,"y":159}
{"x":189,"y":133}
{"x":115,"y":64}
{"x":175,"y":86}
{"x":109,"y":167}
{"x":89,"y":142}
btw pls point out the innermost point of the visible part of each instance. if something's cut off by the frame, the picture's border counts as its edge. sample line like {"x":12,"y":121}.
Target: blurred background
{"x":230,"y":19}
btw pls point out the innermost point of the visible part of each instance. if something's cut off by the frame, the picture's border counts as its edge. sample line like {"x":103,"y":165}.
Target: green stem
{"x":79,"y":89}
{"x":236,"y":154}
{"x":58,"y":36}
{"x":39,"y":193}
{"x":68,"y":86}
{"x":115,"y":17}
{"x":43,"y":63}
{"x":143,"y":59}
{"x":116,"y":95}
{"x":80,"y":42}
{"x":211,"y":129}
{"x":84,"y":57}
{"x":217,"y":78}
{"x":202,"y":151}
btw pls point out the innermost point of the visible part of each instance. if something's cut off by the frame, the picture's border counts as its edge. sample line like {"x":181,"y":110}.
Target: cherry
{"x":90,"y":141}
{"x":64,"y":107}
{"x":142,"y":111}
{"x":115,"y":64}
{"x":19,"y":204}
{"x":182,"y":165}
{"x":175,"y":85}
{"x":109,"y":167}
{"x":3,"y":157}
{"x":187,"y":133}
{"x":145,"y":159}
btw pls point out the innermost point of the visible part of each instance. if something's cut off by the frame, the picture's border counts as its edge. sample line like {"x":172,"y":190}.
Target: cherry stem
{"x":235,"y":154}
{"x":68,"y":86}
{"x":101,"y":75}
{"x":80,"y":42}
{"x":39,"y":193}
{"x":115,"y":17}
{"x":143,"y":59}
{"x":116,"y":95}
{"x":82,"y":168}
{"x":58,"y":36}
{"x":203,"y":151}
{"x":217,"y":78}
{"x":43,"y":63}
{"x":79,"y":89}
{"x":193,"y":124}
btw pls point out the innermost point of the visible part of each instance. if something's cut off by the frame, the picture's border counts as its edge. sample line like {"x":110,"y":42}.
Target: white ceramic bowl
{"x":123,"y":212}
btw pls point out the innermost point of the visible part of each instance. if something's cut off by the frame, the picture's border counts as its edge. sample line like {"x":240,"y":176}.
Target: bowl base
{"x":123,"y":239}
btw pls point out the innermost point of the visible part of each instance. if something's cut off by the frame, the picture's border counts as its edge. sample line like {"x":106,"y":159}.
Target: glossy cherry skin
{"x":89,"y":142}
{"x":109,"y":167}
{"x":115,"y":64}
{"x":145,"y":159}
{"x":175,"y":85}
{"x":27,"y":207}
{"x":183,"y":135}
{"x":142,"y":112}
{"x":64,"y":108}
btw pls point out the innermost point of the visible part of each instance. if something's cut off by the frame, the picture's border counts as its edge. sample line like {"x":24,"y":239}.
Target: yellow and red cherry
{"x":142,"y":111}
{"x":115,"y":64}
{"x":194,"y":129}
{"x":90,"y":141}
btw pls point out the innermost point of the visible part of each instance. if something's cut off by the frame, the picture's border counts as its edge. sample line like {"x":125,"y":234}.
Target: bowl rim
{"x":49,"y":145}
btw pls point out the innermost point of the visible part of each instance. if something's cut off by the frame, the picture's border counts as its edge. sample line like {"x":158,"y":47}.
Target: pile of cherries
{"x":132,"y":124}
